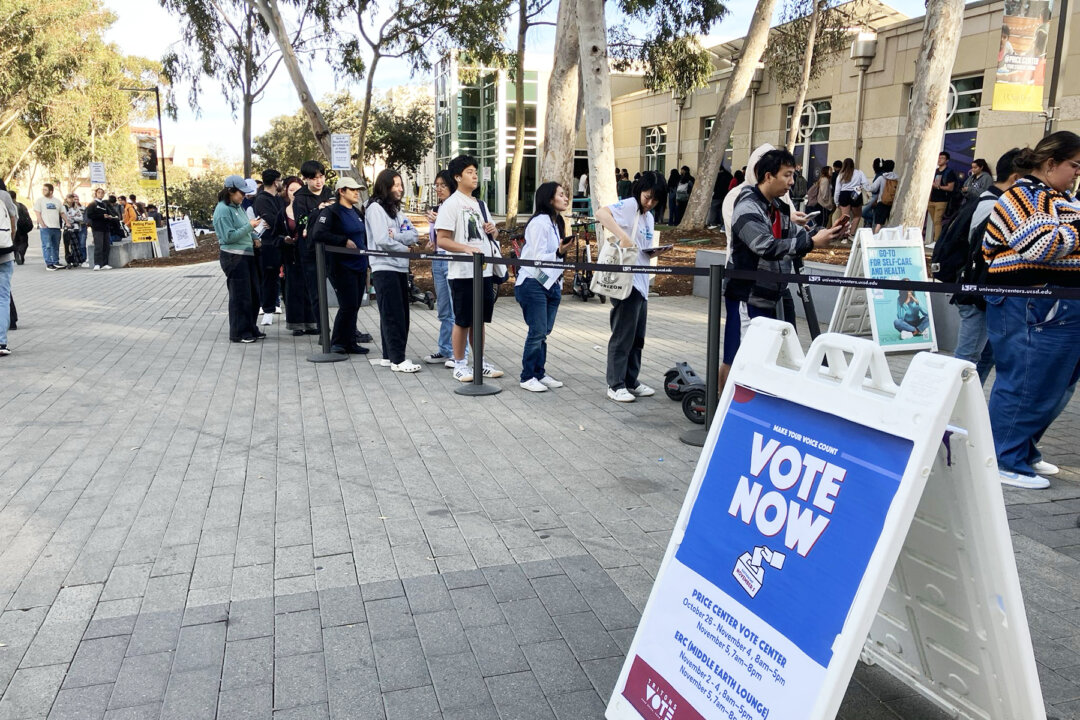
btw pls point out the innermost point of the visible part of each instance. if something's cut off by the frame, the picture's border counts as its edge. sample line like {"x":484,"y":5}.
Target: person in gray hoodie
{"x":884,"y":190}
{"x":389,"y":229}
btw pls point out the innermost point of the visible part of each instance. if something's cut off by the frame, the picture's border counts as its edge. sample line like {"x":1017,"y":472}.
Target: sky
{"x":144,"y":28}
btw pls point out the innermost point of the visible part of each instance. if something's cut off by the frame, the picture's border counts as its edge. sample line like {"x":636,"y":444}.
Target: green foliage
{"x":401,"y":135}
{"x":668,"y":49}
{"x":197,"y":196}
{"x":289,"y":141}
{"x":787,"y":42}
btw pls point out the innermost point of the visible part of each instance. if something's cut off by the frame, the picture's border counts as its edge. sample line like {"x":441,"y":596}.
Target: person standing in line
{"x":719,"y":192}
{"x":462,"y":230}
{"x":389,"y":229}
{"x":883,"y":190}
{"x":312,"y":197}
{"x":270,"y":208}
{"x":632,"y":224}
{"x":299,"y":314}
{"x":23,"y":225}
{"x":819,"y":196}
{"x":101,"y":223}
{"x":940,"y":192}
{"x":8,"y":224}
{"x":848,"y":193}
{"x":539,"y":290}
{"x":682,"y":193}
{"x":1033,"y":240}
{"x":978,"y":182}
{"x":800,"y":188}
{"x":624,"y":184}
{"x":130,"y":214}
{"x":583,"y":185}
{"x":445,"y":186}
{"x":51,"y":222}
{"x":867,"y":211}
{"x":235,"y":234}
{"x":77,"y":224}
{"x":153,"y":214}
{"x":341,"y":224}
{"x":672,"y":201}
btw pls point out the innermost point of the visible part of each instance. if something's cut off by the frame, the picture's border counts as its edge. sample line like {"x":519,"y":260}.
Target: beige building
{"x":653,"y":132}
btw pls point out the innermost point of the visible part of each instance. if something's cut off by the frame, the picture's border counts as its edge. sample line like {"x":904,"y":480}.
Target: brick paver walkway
{"x":191,"y":528}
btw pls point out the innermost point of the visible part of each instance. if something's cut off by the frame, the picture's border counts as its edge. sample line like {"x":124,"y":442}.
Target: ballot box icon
{"x":749,"y":571}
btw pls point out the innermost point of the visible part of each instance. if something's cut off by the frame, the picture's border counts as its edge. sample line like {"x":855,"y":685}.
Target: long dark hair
{"x":225,"y":194}
{"x":652,"y":182}
{"x":544,"y":195}
{"x":382,"y":193}
{"x":847,"y":170}
{"x":1059,"y":147}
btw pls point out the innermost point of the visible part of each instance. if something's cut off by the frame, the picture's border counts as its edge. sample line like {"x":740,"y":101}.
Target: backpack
{"x":952,"y":250}
{"x":799,"y":188}
{"x":888,"y":192}
{"x":682,"y":191}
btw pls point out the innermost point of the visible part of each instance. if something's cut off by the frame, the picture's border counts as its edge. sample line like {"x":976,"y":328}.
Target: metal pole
{"x":1060,"y":52}
{"x":697,"y":436}
{"x":324,"y":312}
{"x":477,"y":386}
{"x":858,"y":117}
{"x":753,"y":107}
{"x":164,"y":180}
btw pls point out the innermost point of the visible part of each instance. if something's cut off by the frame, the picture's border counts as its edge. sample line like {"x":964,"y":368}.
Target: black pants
{"x":13,"y":314}
{"x":311,"y":274}
{"x":241,"y":279}
{"x":349,"y":286}
{"x":22,"y":244}
{"x":628,"y":319}
{"x":102,"y":245}
{"x":270,"y":261}
{"x":392,"y":295}
{"x":299,"y":313}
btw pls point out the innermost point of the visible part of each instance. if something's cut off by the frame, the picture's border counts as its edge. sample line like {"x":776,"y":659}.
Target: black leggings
{"x":392,"y":296}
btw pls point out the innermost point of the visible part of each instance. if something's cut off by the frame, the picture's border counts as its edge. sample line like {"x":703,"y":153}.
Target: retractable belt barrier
{"x":760,"y":275}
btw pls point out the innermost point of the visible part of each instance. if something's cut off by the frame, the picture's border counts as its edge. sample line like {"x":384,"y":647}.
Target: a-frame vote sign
{"x":833,"y":515}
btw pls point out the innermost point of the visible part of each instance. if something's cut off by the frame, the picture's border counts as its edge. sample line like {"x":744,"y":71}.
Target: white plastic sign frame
{"x":897,"y":254}
{"x":682,"y":666}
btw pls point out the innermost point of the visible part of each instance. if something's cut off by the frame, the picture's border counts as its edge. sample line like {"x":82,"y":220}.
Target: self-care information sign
{"x":742,"y":619}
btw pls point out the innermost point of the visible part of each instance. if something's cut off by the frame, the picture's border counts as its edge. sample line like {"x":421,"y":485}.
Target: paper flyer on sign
{"x":340,"y":152}
{"x":743,"y":618}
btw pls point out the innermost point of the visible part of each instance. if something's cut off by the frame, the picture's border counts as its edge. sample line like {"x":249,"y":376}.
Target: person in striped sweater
{"x":1033,"y":240}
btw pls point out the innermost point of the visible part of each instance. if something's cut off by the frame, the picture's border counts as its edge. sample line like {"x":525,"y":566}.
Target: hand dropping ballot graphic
{"x":789,"y":510}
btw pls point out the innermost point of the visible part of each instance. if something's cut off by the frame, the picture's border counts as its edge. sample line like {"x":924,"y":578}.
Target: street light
{"x":161,"y":155}
{"x":755,"y":86}
{"x":863,"y":51}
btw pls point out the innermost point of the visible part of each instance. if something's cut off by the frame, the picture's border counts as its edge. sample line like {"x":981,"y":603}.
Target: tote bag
{"x":616,"y":285}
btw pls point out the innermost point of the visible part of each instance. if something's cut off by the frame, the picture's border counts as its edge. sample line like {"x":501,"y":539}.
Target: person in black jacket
{"x":102,"y":219}
{"x":719,"y":192}
{"x":313,"y":196}
{"x":342,"y":225}
{"x":23,"y":226}
{"x":270,"y":208}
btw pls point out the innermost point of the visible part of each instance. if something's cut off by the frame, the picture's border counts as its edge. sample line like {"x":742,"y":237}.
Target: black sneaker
{"x":297,"y":333}
{"x":4,"y":350}
{"x":363,"y":337}
{"x":51,"y":267}
{"x":311,"y":331}
{"x":259,"y":335}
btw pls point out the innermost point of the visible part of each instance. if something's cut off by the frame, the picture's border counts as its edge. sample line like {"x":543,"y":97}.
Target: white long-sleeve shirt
{"x":542,"y":240}
{"x":855,"y":184}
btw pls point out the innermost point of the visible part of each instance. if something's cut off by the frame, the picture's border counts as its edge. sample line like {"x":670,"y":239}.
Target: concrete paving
{"x":191,"y":528}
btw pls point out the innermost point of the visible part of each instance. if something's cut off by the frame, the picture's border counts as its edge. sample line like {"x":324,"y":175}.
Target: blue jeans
{"x":6,"y":271}
{"x":904,"y":325}
{"x":539,"y":307}
{"x":50,"y":245}
{"x":673,"y":208}
{"x":1038,"y":362}
{"x":971,"y":342}
{"x":444,"y":306}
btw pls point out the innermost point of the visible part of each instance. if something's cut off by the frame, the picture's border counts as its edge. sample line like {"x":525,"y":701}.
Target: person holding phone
{"x":539,"y":290}
{"x":235,"y":234}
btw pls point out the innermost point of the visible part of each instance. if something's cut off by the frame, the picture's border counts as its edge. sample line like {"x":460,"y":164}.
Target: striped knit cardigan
{"x":1033,"y":237}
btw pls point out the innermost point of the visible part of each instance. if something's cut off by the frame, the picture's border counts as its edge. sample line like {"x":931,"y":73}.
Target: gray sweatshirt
{"x":379,"y":226}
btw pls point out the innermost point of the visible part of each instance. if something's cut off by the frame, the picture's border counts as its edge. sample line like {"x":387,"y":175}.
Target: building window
{"x":961,"y":122}
{"x":654,"y":140}
{"x":812,"y":144}
{"x":706,"y":133}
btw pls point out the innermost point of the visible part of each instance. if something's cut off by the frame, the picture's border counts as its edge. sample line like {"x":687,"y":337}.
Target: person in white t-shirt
{"x":51,"y":220}
{"x":539,"y":290}
{"x":628,"y":317}
{"x":462,"y":228}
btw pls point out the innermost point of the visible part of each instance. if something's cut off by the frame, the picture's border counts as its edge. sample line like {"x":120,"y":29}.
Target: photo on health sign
{"x":900,"y":317}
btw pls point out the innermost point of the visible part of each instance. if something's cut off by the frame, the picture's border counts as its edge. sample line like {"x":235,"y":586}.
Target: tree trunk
{"x":927,"y":110}
{"x":248,"y":100}
{"x":246,"y":131}
{"x":804,"y":83}
{"x":514,"y":184}
{"x":596,"y":87}
{"x":697,"y":209}
{"x":369,"y":89}
{"x":270,"y":13}
{"x":560,"y":118}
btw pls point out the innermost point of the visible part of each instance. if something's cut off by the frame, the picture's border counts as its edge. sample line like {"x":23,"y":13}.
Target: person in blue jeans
{"x":51,"y":221}
{"x":1033,"y":241}
{"x":539,"y":290}
{"x":910,"y":316}
{"x":673,"y":203}
{"x":445,"y":186}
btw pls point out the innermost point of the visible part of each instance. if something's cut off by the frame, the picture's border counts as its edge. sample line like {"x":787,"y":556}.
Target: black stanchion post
{"x":324,"y":312}
{"x":697,"y":436}
{"x":477,"y":386}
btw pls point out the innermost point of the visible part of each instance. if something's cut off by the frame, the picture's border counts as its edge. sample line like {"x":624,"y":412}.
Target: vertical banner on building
{"x":149,"y":179}
{"x":789,"y":511}
{"x":97,"y":173}
{"x":1025,"y":32}
{"x":339,"y":152}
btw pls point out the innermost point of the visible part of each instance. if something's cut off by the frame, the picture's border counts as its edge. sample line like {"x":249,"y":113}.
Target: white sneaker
{"x":533,"y":385}
{"x":905,"y":335}
{"x":621,"y":395}
{"x":278,"y":310}
{"x":551,"y":382}
{"x":267,"y":319}
{"x":97,"y":267}
{"x":85,"y":264}
{"x":106,"y":267}
{"x":642,"y":390}
{"x":490,"y":371}
{"x":450,"y":363}
{"x":385,"y":362}
{"x":1044,"y":468}
{"x":463,"y":374}
{"x":407,"y":366}
{"x":1028,"y":482}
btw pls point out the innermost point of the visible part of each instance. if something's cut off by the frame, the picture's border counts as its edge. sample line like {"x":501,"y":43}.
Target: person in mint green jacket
{"x":238,"y":238}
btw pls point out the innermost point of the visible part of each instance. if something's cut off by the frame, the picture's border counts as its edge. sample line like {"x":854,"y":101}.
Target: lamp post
{"x":863,"y":51}
{"x":755,"y":86}
{"x":161,"y":154}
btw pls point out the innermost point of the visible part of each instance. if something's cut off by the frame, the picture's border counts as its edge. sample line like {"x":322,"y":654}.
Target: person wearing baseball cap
{"x":237,"y":242}
{"x":342,"y":225}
